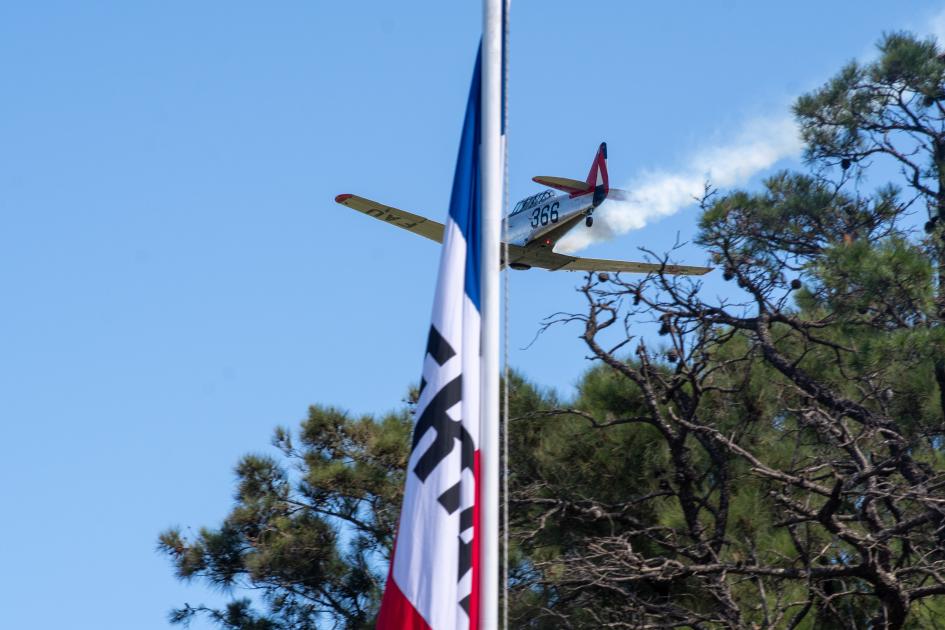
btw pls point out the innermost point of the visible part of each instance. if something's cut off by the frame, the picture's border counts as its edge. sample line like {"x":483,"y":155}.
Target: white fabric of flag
{"x":433,"y":580}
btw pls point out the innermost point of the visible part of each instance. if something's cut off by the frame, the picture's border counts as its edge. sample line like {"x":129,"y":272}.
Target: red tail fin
{"x":597,"y":178}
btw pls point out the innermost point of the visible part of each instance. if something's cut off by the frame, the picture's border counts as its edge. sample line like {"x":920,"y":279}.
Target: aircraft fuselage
{"x":542,"y":219}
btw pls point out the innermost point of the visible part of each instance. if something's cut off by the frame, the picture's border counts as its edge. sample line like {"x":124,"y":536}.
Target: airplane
{"x":537,"y":223}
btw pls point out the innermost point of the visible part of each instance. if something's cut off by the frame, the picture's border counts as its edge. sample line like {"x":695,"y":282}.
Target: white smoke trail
{"x":760,"y":144}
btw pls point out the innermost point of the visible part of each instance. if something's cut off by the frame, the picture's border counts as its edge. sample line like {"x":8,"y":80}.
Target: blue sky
{"x":177,"y":281}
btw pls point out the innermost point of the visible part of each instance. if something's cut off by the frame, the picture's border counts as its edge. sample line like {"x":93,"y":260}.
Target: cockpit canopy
{"x":534,"y":200}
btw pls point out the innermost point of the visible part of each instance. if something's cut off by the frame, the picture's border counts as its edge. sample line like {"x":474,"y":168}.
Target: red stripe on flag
{"x":397,"y":613}
{"x":474,"y":596}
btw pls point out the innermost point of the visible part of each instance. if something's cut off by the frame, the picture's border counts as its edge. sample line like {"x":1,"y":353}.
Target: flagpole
{"x":492,"y":181}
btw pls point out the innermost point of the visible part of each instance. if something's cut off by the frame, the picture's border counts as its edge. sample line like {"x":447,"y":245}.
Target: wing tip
{"x":343,"y":197}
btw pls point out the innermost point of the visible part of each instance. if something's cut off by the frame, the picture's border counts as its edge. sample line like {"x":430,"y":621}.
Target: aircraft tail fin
{"x":597,"y":178}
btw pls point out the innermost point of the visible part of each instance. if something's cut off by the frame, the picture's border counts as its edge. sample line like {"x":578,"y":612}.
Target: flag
{"x":433,"y":583}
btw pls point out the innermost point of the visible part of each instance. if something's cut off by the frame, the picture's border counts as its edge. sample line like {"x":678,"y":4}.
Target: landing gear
{"x":589,"y":221}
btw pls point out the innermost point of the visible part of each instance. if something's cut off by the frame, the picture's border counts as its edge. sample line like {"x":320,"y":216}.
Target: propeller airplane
{"x":537,"y":223}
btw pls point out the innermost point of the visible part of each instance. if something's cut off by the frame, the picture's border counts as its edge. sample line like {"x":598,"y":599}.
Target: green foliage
{"x":311,"y":531}
{"x":798,"y":216}
{"x":837,"y":118}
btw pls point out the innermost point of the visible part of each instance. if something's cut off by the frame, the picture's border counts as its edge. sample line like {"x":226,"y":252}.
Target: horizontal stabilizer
{"x":563,"y":183}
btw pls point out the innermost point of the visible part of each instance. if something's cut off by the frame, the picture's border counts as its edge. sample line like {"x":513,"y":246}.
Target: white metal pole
{"x":492,"y":182}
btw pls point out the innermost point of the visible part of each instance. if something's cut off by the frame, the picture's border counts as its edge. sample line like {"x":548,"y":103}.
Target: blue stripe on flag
{"x":466,"y":198}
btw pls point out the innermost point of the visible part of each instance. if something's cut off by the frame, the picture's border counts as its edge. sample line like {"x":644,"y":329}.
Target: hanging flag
{"x":433,"y":583}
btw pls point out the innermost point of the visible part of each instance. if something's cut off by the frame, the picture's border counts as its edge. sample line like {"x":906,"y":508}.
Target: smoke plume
{"x":652,"y":195}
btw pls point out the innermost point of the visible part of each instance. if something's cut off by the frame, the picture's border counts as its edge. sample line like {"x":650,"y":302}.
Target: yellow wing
{"x":544,"y":258}
{"x":401,"y":218}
